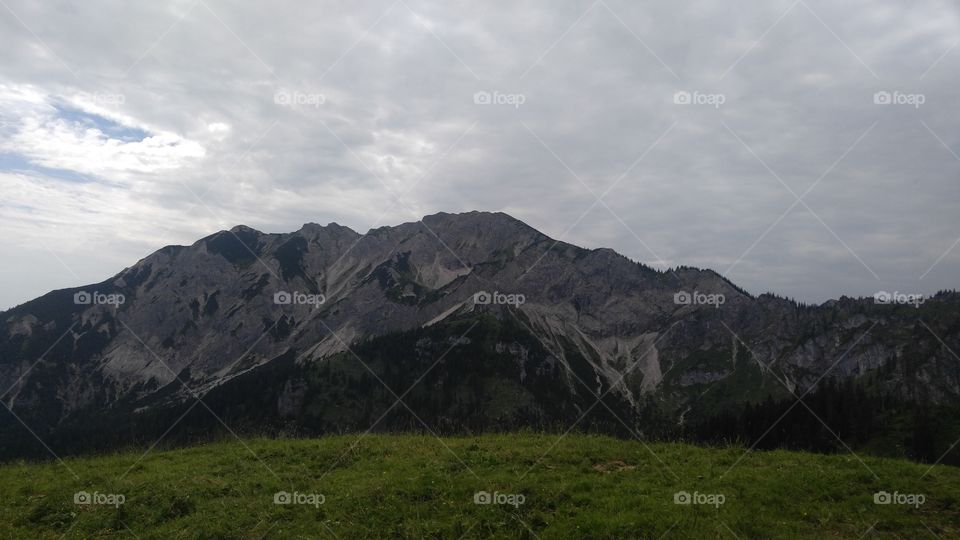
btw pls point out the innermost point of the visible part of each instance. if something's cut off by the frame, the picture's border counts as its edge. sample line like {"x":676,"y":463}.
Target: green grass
{"x":411,"y":486}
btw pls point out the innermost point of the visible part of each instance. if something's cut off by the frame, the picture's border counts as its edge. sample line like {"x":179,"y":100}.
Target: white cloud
{"x":40,"y":133}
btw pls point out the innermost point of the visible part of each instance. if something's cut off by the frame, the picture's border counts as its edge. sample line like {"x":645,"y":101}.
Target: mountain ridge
{"x":559,"y":328}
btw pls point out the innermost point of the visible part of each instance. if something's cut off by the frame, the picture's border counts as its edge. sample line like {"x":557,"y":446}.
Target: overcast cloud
{"x":127,"y":126}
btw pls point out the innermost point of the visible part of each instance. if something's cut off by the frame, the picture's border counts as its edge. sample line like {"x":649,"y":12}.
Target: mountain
{"x":476,"y":320}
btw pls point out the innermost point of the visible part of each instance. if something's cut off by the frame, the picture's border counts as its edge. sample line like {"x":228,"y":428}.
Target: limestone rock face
{"x":196,"y":319}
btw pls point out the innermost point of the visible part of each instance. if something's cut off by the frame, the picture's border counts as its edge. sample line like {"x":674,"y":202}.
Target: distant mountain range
{"x":476,"y":320}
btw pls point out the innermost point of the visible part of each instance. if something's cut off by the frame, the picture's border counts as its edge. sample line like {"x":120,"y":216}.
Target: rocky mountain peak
{"x":555,"y":323}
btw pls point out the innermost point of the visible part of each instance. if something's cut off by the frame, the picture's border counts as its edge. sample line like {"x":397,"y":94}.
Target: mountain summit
{"x":470,"y":321}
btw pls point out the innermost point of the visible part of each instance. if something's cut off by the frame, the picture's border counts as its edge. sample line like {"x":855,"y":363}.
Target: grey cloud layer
{"x":398,"y":116}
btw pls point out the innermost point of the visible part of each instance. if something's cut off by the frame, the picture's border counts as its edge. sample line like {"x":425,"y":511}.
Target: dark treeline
{"x":837,"y":416}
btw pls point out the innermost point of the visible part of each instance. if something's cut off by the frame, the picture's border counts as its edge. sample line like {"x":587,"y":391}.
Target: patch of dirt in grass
{"x":612,"y":467}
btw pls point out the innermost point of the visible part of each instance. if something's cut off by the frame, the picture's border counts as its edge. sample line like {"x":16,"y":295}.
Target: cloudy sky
{"x":808,"y":148}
